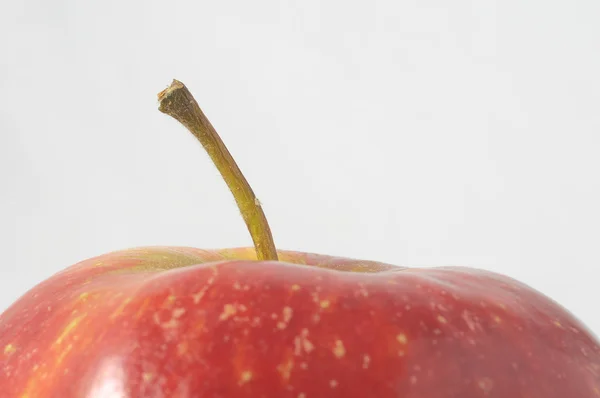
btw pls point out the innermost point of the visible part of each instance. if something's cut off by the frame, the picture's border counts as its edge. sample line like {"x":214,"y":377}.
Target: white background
{"x":412,"y":132}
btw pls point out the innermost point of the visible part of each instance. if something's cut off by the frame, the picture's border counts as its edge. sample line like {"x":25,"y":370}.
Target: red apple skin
{"x":183,"y":322}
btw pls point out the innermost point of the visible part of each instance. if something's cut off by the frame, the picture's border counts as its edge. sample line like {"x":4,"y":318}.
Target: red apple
{"x":183,"y":322}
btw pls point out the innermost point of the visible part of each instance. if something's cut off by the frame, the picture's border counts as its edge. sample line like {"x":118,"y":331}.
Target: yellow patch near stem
{"x":120,"y":308}
{"x":142,"y":308}
{"x":65,"y":351}
{"x":69,"y":328}
{"x":35,"y":382}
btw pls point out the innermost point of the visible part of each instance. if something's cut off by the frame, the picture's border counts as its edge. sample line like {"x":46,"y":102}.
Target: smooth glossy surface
{"x":179,"y":322}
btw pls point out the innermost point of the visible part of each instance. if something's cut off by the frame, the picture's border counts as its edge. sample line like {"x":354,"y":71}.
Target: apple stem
{"x":177,"y":102}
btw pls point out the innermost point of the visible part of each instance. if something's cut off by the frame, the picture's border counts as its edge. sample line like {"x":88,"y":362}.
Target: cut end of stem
{"x":177,"y":102}
{"x":175,"y":85}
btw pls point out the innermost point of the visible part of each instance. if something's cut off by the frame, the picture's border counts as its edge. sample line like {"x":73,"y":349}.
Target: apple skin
{"x":181,"y":322}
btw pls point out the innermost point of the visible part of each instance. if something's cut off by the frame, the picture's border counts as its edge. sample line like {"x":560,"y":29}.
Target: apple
{"x":180,"y":322}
